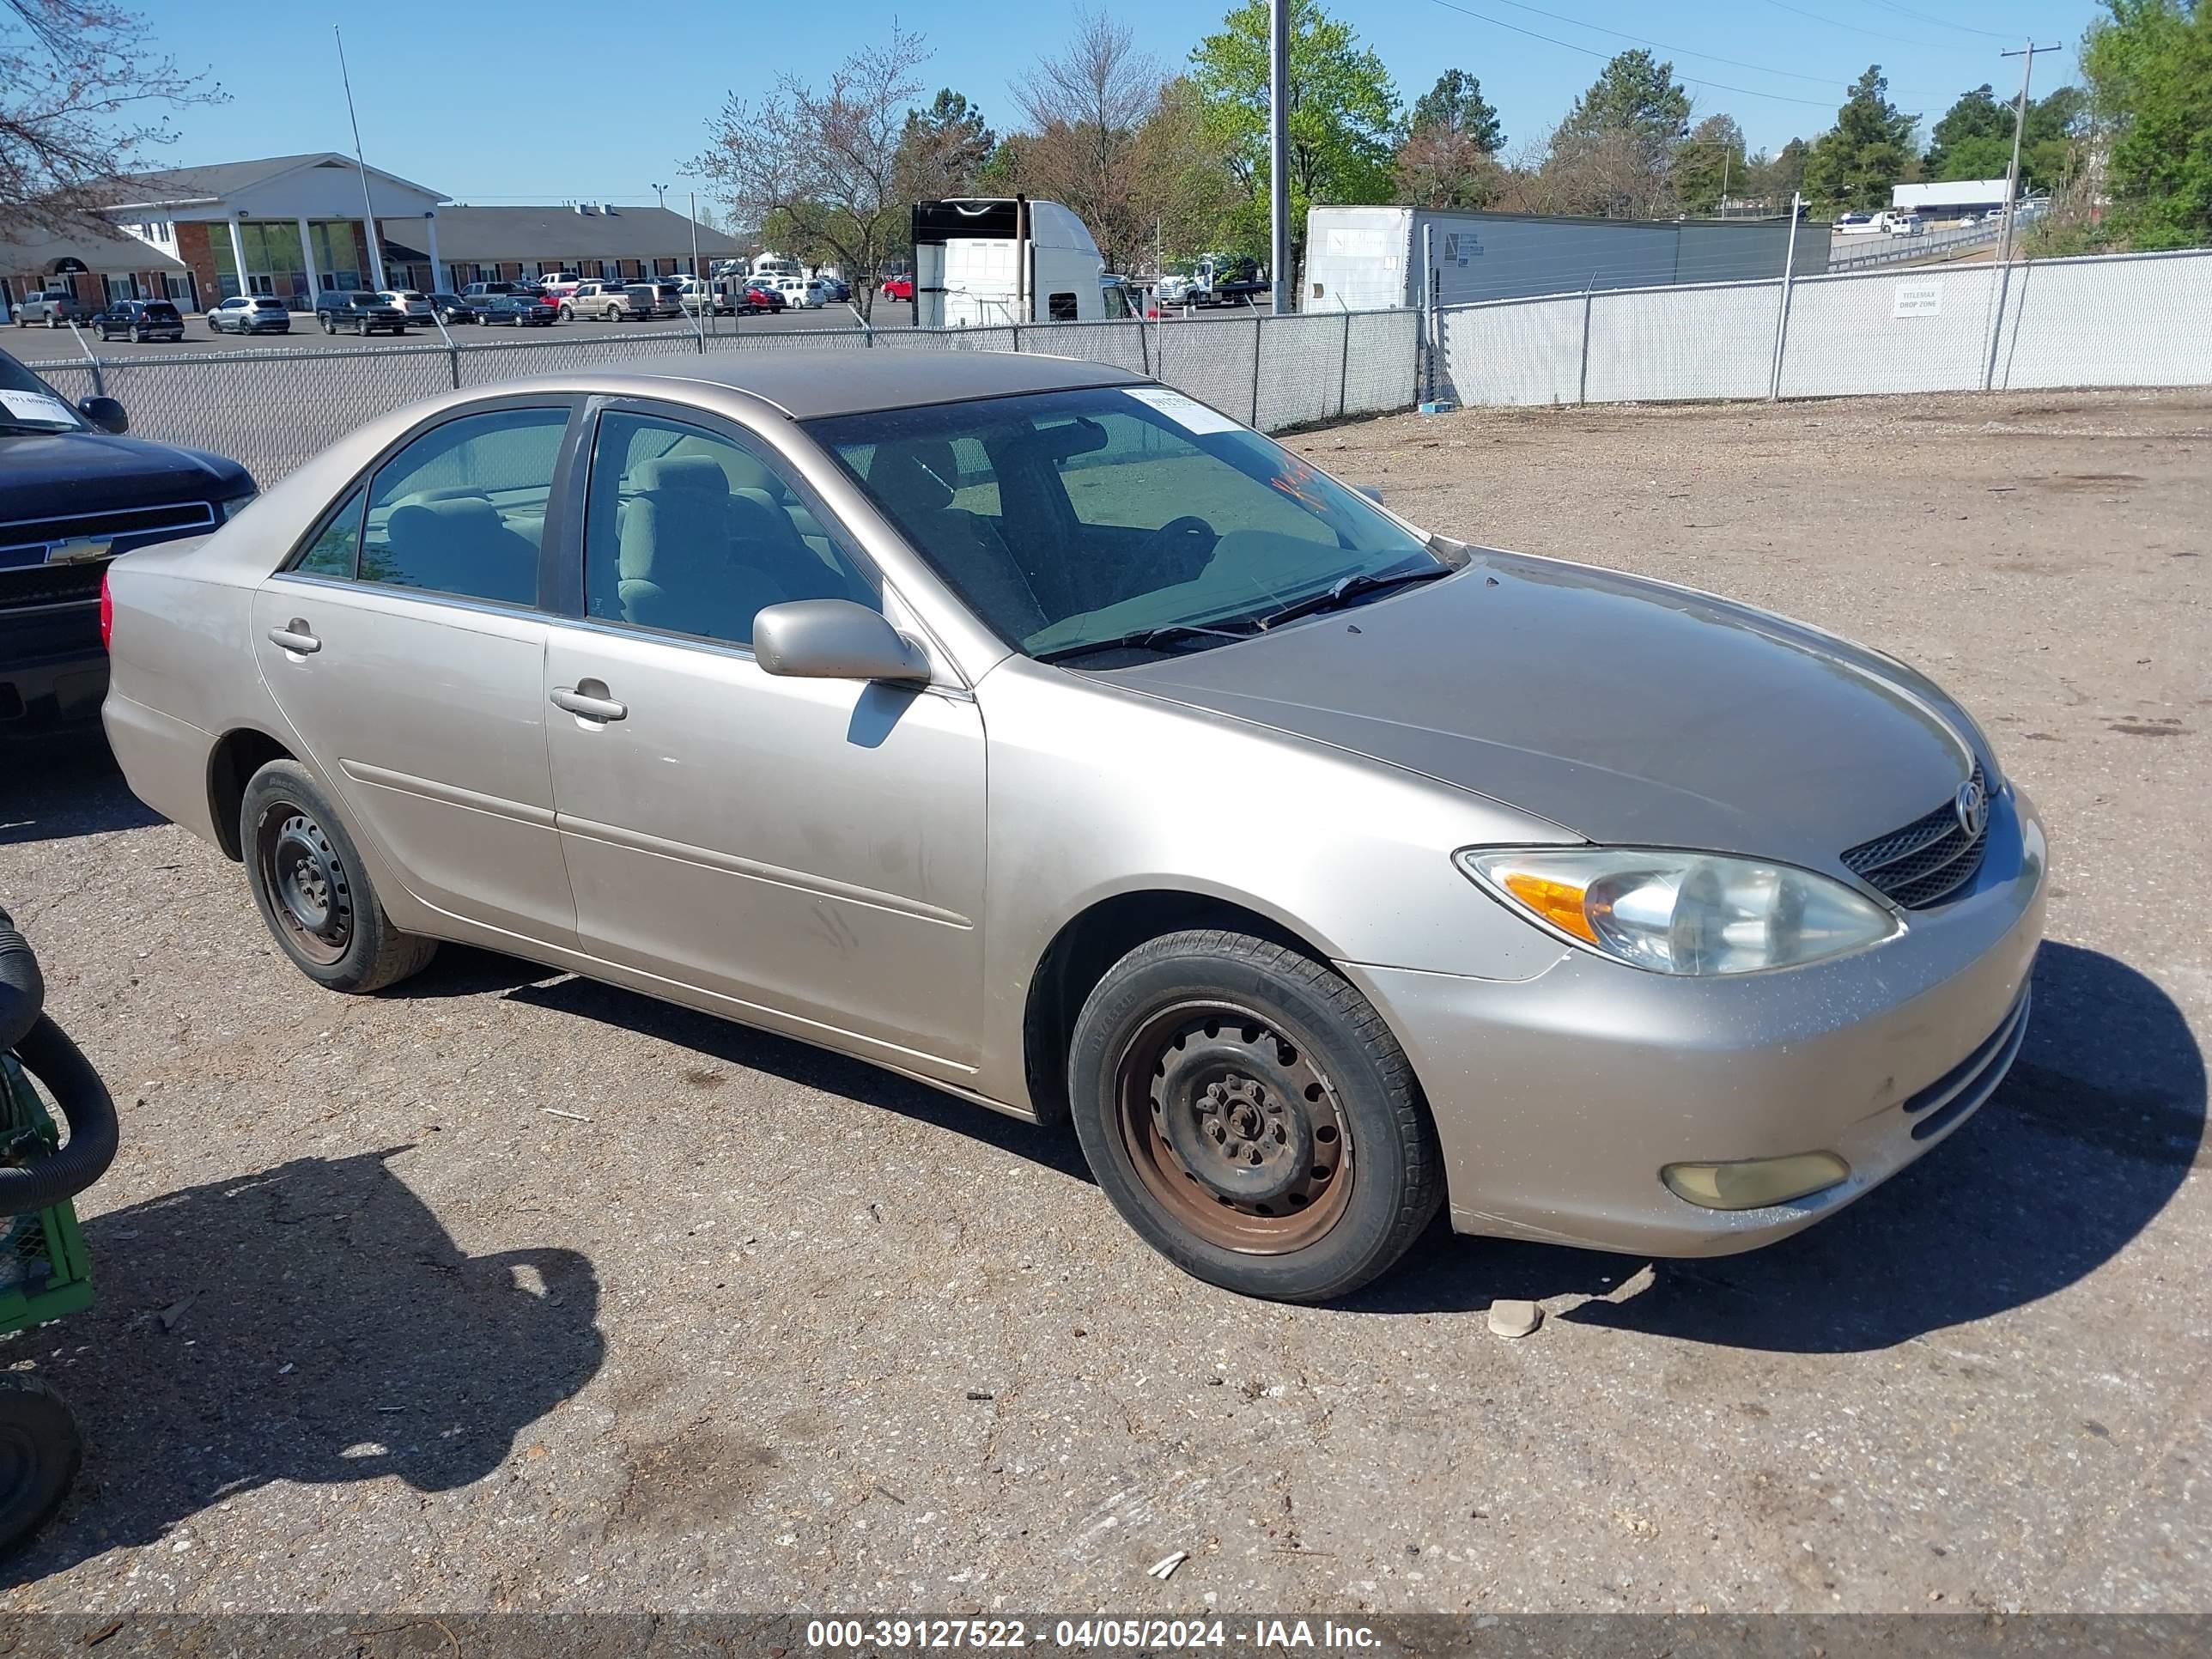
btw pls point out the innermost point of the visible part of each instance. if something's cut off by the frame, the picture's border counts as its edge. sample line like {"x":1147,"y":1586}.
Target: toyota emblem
{"x":1973,"y":806}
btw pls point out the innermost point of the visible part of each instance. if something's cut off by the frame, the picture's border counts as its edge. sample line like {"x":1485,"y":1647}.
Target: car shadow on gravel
{"x":2094,"y":1130}
{"x":59,"y":787}
{"x":814,"y":1068}
{"x":311,"y":1323}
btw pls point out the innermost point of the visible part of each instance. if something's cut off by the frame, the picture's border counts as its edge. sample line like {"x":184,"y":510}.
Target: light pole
{"x":1278,"y":149}
{"x":661,"y":191}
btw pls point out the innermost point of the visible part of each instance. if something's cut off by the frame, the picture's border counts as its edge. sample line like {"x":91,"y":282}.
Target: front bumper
{"x":55,"y":691}
{"x":1558,"y":1099}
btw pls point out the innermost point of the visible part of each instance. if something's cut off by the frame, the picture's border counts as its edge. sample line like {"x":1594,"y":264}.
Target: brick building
{"x":97,"y":266}
{"x":592,"y":238}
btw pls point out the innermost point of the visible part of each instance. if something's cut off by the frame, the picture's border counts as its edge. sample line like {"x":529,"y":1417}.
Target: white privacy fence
{"x":2139,"y":319}
{"x":274,"y":409}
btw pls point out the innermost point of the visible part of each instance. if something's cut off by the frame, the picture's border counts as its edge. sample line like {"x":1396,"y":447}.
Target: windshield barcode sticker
{"x":1186,"y":412}
{"x":36,"y":407}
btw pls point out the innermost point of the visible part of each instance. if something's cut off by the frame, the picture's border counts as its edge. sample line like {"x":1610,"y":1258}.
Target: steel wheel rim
{"x":309,"y":890}
{"x":1233,"y":1127}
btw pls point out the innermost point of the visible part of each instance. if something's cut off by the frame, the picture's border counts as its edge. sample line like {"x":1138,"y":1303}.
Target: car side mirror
{"x":836,"y":640}
{"x":105,"y":414}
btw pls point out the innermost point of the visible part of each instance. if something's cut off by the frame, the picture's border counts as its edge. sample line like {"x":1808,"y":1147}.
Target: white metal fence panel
{"x":1513,"y":351}
{"x":2140,"y":320}
{"x":1302,"y":361}
{"x":1895,"y":330}
{"x":1678,"y":344}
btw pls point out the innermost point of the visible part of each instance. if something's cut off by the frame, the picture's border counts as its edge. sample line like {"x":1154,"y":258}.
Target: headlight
{"x":226,"y":511}
{"x":1683,"y":913}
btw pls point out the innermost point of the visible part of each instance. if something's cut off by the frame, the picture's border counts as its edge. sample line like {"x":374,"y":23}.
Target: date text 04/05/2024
{"x":1088,"y":1634}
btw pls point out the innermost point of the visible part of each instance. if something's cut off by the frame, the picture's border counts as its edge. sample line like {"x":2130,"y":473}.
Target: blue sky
{"x":550,"y":112}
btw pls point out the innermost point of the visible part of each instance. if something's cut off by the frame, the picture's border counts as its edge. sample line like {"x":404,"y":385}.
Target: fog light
{"x":1755,"y":1182}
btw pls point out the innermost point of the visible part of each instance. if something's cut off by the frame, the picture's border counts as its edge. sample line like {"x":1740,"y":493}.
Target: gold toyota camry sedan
{"x":1027,"y":727}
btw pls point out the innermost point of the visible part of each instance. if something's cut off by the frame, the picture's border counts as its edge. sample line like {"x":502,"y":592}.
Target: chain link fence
{"x":2137,"y":319}
{"x":273,"y":410}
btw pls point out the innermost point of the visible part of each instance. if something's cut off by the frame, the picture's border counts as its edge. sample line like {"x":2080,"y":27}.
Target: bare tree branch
{"x":78,"y":80}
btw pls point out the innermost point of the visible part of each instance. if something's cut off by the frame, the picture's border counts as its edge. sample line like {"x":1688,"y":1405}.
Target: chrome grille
{"x":1924,"y":862}
{"x":24,"y":543}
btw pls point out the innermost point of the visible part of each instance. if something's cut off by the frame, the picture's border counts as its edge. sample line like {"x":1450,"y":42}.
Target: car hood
{"x":50,"y":473}
{"x":1631,"y":711}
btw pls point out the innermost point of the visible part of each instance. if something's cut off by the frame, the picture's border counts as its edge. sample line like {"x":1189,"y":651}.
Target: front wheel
{"x":41,"y":1450}
{"x":1250,"y":1113}
{"x":313,"y":888}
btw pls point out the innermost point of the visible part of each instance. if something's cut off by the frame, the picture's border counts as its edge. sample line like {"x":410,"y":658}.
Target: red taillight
{"x":106,"y":613}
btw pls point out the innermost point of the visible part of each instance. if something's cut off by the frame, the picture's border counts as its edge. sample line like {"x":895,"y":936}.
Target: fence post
{"x":1344,"y":361}
{"x":1017,"y":337}
{"x":452,"y":351}
{"x":1258,"y":342}
{"x":1782,"y":309}
{"x":98,"y":380}
{"x":1144,"y":347}
{"x":1582,"y":389}
{"x":1424,"y":388}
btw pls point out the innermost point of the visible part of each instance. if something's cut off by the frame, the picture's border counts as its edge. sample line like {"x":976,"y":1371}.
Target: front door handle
{"x":586,"y":705}
{"x":294,"y":636}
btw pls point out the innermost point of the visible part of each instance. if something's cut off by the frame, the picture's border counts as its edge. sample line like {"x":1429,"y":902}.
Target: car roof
{"x":806,"y":385}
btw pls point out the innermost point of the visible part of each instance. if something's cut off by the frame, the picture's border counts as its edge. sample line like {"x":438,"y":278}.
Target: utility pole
{"x":2026,"y":56}
{"x":1278,"y":149}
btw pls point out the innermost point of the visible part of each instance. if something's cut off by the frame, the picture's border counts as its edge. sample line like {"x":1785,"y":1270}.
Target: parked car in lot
{"x":614,"y":302}
{"x":696,"y":294}
{"x":416,"y":307}
{"x":451,"y":309}
{"x":748,"y":297}
{"x":250,"y":314}
{"x":520,"y":310}
{"x":800,"y":293}
{"x":74,"y":492}
{"x":362,"y":310}
{"x":667,"y":296}
{"x":141,"y":321}
{"x":560,"y":284}
{"x":897,"y":287}
{"x":51,"y":307}
{"x":833,"y":290}
{"x":475,"y":291}
{"x":1637,"y":919}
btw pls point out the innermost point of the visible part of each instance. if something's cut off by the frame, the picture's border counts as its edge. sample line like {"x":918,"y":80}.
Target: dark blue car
{"x":73,"y":493}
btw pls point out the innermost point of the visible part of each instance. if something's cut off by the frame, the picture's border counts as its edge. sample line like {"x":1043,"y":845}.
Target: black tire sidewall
{"x":290,"y":780}
{"x":33,"y":1408}
{"x":1271,"y":983}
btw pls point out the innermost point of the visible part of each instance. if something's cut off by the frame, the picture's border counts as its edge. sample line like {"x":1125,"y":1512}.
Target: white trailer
{"x":985,"y":260}
{"x":1369,"y":258}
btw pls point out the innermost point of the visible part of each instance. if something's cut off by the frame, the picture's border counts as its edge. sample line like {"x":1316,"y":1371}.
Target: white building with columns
{"x":290,"y":226}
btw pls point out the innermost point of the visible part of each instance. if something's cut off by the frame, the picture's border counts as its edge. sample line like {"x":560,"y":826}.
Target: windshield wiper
{"x":1343,"y":592}
{"x":1145,"y":639}
{"x":31,"y":428}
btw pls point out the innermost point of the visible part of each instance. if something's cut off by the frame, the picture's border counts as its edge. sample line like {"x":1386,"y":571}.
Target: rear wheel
{"x":41,"y":1450}
{"x":1250,"y":1113}
{"x":313,"y":888}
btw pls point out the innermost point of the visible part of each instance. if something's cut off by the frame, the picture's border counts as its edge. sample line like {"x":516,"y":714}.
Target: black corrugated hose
{"x":47,"y":1055}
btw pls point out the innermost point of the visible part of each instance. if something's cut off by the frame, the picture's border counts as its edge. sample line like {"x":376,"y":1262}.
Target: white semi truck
{"x":984,"y":260}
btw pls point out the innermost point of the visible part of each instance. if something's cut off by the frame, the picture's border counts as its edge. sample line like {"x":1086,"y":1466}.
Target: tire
{"x":137,"y":337}
{"x":330,"y":324}
{"x":1311,"y":1165}
{"x":312,"y":890}
{"x":41,"y":1450}
{"x":360,"y":328}
{"x":567,"y":315}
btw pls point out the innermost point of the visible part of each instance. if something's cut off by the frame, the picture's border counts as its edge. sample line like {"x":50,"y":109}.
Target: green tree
{"x":1344,"y":128}
{"x":1614,"y":154}
{"x":1457,"y":103}
{"x":943,"y":148}
{"x":1870,"y":150}
{"x":1709,"y":164}
{"x":1961,"y":143}
{"x":2149,"y":70}
{"x":1774,"y":179}
{"x":2050,"y":144}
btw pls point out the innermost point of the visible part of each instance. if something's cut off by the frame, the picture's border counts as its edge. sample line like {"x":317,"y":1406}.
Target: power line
{"x":1678,"y":51}
{"x":1940,"y":23}
{"x":1853,"y":28}
{"x":1592,"y":51}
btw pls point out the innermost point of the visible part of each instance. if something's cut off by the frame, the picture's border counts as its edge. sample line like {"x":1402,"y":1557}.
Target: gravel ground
{"x":508,"y":1290}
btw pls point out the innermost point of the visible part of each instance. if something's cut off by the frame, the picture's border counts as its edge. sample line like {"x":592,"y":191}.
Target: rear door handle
{"x":295,"y":636}
{"x":584,"y":706}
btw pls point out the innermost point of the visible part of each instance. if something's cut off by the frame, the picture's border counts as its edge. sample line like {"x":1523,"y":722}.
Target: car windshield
{"x":1135,"y":511}
{"x":27,"y":403}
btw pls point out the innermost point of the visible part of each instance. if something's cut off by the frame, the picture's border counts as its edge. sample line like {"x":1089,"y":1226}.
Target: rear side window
{"x":337,"y":545}
{"x":461,"y":510}
{"x":1062,"y":307}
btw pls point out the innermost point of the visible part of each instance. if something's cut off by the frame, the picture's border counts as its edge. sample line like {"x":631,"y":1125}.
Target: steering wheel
{"x":1178,"y":548}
